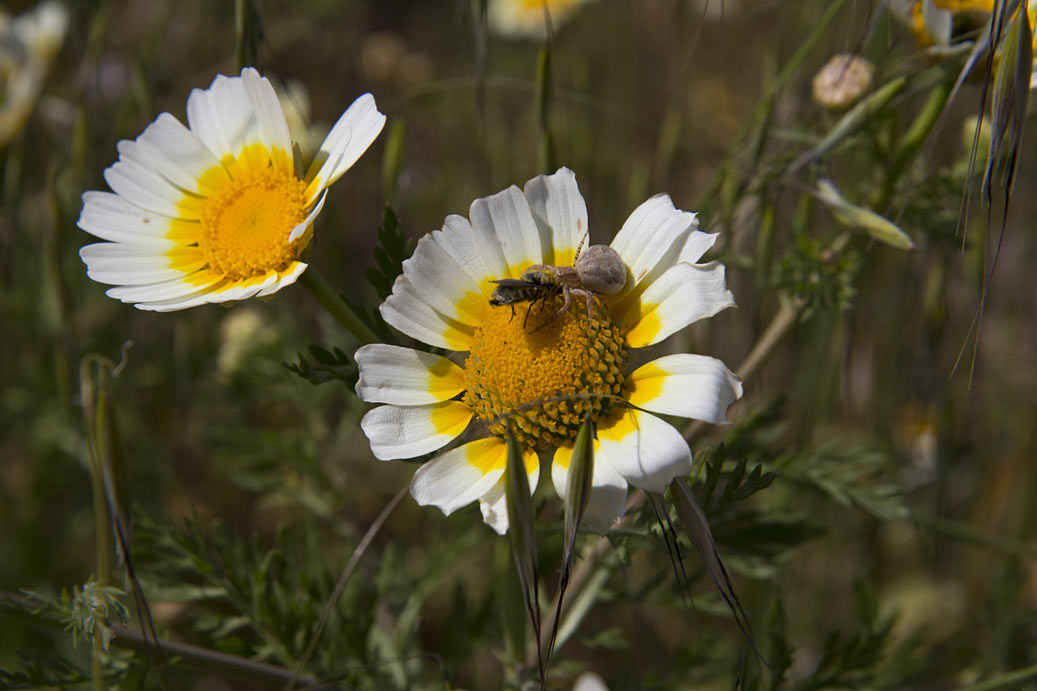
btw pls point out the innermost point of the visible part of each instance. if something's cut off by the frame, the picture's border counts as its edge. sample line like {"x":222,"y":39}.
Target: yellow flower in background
{"x":528,"y":18}
{"x":942,"y":22}
{"x":215,"y":211}
{"x":537,"y":366}
{"x":28,"y":44}
{"x":939,"y":24}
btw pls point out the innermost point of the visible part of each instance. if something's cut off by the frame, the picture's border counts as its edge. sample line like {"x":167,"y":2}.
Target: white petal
{"x":270,"y":120}
{"x":157,"y":292}
{"x":404,"y":376}
{"x":222,"y":116}
{"x":144,"y":188}
{"x":560,"y":210}
{"x":167,"y":147}
{"x":409,"y":431}
{"x":242,"y":290}
{"x":405,"y":310}
{"x":443,"y":284}
{"x":299,"y":230}
{"x":652,"y":237}
{"x":696,"y":245}
{"x":110,"y":217}
{"x":284,"y":278}
{"x":354,"y":132}
{"x":458,"y":239}
{"x":608,"y":488}
{"x":117,"y":263}
{"x":494,"y":504}
{"x":460,"y":476}
{"x":684,"y":294}
{"x":505,"y":232}
{"x":175,"y":304}
{"x":693,"y":386}
{"x":644,"y":449}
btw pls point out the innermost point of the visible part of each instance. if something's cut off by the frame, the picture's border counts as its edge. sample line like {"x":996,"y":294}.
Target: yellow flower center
{"x":542,"y":373}
{"x":246,"y":223}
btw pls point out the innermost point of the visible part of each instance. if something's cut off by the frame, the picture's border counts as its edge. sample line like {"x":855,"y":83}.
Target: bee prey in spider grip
{"x":598,"y":270}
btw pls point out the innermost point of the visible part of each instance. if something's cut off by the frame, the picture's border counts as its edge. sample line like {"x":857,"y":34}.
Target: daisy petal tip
{"x":494,"y":516}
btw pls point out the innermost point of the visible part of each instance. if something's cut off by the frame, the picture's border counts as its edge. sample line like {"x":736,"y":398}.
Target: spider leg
{"x":589,"y":295}
{"x":567,"y":300}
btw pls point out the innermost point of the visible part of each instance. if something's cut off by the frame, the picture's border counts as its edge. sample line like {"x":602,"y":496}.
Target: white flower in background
{"x":295,"y":102}
{"x":842,"y":81}
{"x":243,"y":331}
{"x":538,"y":369}
{"x":528,"y":18}
{"x":28,"y":44}
{"x":589,"y":681}
{"x":215,"y":211}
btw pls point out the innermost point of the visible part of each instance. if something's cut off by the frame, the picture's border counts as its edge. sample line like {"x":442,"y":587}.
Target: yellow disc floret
{"x":543,"y":373}
{"x":246,"y":223}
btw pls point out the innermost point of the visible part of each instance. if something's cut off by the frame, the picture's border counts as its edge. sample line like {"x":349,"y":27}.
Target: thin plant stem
{"x":764,"y":105}
{"x":980,"y":538}
{"x":343,"y":578}
{"x":581,"y":576}
{"x":192,"y":656}
{"x":94,"y":413}
{"x":1009,"y":678}
{"x":335,"y":305}
{"x":780,"y":325}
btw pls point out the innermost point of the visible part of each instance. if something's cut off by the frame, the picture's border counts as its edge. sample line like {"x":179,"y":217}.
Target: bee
{"x":597,"y":271}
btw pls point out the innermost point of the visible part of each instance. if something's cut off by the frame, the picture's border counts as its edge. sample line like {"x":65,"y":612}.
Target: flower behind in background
{"x":28,"y":44}
{"x":537,"y":369}
{"x":529,"y":18}
{"x":215,"y":211}
{"x":842,"y":81}
{"x":941,"y":25}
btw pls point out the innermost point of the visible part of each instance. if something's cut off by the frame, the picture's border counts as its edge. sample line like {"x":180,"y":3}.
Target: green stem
{"x":95,"y":412}
{"x":981,"y":538}
{"x":330,"y":300}
{"x":343,"y":579}
{"x":764,"y":105}
{"x":913,"y":139}
{"x":1003,"y":680}
{"x":191,"y":656}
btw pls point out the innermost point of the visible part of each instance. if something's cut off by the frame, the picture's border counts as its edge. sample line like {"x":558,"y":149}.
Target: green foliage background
{"x":872,"y":502}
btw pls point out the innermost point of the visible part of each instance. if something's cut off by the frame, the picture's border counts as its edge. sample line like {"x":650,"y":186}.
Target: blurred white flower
{"x":295,"y":102}
{"x":242,"y":331}
{"x":589,"y":681}
{"x":529,"y":18}
{"x":717,"y":10}
{"x":386,"y":58}
{"x":842,"y":81}
{"x":28,"y":44}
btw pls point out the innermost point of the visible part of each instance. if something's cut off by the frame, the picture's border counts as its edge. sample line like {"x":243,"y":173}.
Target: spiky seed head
{"x":601,"y":270}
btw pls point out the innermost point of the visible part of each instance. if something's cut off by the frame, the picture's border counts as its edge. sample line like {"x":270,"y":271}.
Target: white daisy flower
{"x":28,"y":44}
{"x":539,"y":368}
{"x":528,"y":18}
{"x":215,"y":211}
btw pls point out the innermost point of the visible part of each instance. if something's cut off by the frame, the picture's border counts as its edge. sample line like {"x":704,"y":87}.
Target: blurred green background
{"x":899,"y":531}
